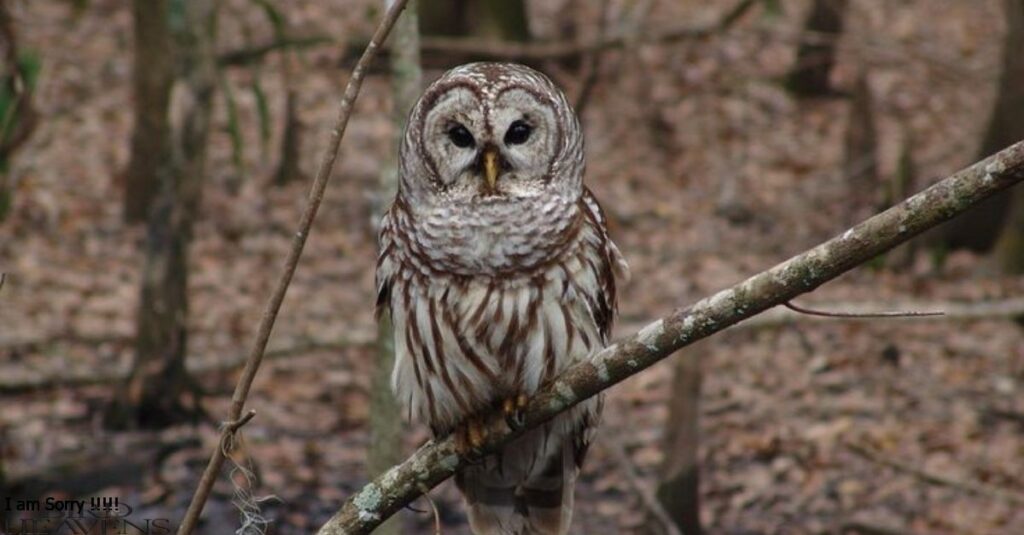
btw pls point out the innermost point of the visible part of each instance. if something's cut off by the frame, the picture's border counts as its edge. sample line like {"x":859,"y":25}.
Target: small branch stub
{"x":234,"y":426}
{"x":865,"y":315}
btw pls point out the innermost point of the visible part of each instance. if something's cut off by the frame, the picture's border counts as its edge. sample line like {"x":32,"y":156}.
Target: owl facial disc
{"x":491,"y":133}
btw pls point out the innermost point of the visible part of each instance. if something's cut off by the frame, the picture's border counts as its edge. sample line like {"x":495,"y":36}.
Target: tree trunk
{"x":152,"y":79}
{"x":679,"y":490}
{"x":861,"y":155}
{"x":288,"y":168}
{"x":979,"y":229}
{"x":507,"y":19}
{"x":1008,"y":123}
{"x":488,"y":19}
{"x":385,"y":413}
{"x":153,"y":395}
{"x":901,"y":187}
{"x":499,"y":19}
{"x":815,"y":58}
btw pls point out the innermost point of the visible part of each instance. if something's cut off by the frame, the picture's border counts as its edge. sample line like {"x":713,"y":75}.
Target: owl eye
{"x":518,"y":133}
{"x":460,"y":136}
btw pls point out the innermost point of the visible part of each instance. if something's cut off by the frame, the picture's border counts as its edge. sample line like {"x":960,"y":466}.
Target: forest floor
{"x":709,"y":172}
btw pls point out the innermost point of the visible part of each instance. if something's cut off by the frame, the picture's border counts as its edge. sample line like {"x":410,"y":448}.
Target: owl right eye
{"x":460,"y":136}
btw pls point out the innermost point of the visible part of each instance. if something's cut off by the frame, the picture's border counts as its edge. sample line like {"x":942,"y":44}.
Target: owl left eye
{"x":460,"y":136}
{"x":518,"y":133}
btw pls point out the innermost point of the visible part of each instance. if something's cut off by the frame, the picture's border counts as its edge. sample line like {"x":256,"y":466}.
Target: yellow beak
{"x":491,"y":167}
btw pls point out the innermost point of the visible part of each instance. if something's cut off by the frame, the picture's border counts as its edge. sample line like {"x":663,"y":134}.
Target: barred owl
{"x":497,"y":269}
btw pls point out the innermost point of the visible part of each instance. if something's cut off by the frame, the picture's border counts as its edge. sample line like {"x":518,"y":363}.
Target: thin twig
{"x":234,"y":426}
{"x":646,"y":496}
{"x":3,"y":279}
{"x":316,"y":195}
{"x":1011,"y":308}
{"x":969,"y":487}
{"x":439,"y":459}
{"x":884,"y":314}
{"x":433,"y":508}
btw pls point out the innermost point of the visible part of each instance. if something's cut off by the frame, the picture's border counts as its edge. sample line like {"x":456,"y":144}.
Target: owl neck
{"x":493,"y":236}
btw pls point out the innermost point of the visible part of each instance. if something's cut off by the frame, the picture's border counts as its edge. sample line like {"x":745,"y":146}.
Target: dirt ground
{"x":709,"y":172}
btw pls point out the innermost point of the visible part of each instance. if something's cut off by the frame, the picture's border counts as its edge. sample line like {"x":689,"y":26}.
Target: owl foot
{"x":514,"y":408}
{"x":470,"y":436}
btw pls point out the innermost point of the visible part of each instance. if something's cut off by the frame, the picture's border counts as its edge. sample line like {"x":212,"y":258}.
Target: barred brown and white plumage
{"x":498,"y":272}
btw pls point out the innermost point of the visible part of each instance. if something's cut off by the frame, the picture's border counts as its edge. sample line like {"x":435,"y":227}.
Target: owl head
{"x":487,"y":132}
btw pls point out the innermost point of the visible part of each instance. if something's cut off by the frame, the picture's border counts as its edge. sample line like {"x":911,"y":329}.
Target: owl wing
{"x":387,"y":264}
{"x":610,"y":267}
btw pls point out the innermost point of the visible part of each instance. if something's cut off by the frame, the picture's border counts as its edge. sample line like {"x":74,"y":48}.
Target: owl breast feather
{"x":498,"y":237}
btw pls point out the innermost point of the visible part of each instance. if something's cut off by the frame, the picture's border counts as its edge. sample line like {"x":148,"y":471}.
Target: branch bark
{"x":316,"y":195}
{"x":438,"y":459}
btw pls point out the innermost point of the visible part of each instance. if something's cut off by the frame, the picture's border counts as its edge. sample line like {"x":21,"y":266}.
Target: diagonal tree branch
{"x":316,"y":195}
{"x":438,"y":459}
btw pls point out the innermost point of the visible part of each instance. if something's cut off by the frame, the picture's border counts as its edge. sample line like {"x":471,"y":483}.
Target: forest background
{"x":152,"y":181}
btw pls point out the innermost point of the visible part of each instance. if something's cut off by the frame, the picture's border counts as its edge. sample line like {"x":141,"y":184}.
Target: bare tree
{"x":979,"y":229}
{"x":153,"y":395}
{"x":901,"y":185}
{"x":1007,"y":122}
{"x":502,"y":19}
{"x":860,"y":146}
{"x":288,"y":168}
{"x":679,"y":489}
{"x":810,"y":75}
{"x":291,"y":140}
{"x":497,"y":20}
{"x":152,"y":78}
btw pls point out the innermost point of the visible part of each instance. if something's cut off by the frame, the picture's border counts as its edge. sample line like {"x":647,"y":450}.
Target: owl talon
{"x":514,"y":408}
{"x":470,"y":437}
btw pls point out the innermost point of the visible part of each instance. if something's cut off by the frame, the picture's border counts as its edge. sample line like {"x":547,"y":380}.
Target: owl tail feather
{"x":541,"y":506}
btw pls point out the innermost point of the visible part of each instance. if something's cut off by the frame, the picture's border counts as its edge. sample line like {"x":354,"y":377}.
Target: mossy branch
{"x":438,"y":459}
